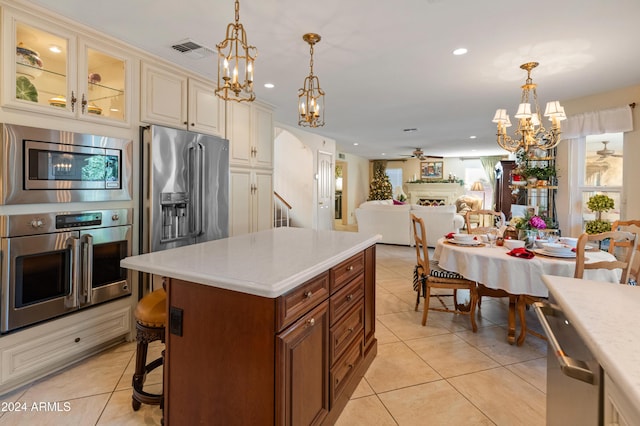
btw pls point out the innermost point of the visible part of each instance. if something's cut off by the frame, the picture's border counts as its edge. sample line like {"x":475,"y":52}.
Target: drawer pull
{"x":311,"y":322}
{"x":350,"y":268}
{"x":308,"y":295}
{"x":349,"y":297}
{"x":350,"y":329}
{"x":350,"y":365}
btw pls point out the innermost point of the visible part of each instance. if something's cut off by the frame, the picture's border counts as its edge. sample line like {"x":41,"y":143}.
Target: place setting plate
{"x":560,"y":254}
{"x":472,"y":243}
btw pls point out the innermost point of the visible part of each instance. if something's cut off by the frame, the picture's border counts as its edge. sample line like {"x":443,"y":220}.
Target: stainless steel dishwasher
{"x":574,"y":378}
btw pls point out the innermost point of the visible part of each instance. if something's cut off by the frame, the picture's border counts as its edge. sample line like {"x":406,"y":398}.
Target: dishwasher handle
{"x":574,"y":368}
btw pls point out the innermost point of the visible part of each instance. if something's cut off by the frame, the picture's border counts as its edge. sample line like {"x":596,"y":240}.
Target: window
{"x":395,"y":177}
{"x":602,"y":172}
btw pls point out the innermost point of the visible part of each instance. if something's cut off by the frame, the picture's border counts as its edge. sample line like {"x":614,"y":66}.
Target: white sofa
{"x":393,"y":222}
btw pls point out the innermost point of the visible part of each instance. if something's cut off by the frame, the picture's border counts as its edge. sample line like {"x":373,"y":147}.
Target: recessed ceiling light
{"x":410,"y":130}
{"x":269,"y":85}
{"x":472,"y":137}
{"x":356,"y":144}
{"x":460,"y":51}
{"x":55,"y":49}
{"x":384,"y":153}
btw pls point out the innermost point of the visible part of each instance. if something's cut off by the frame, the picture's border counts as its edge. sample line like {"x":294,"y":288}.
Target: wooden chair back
{"x":485,"y":219}
{"x":627,"y":241}
{"x":630,"y":226}
{"x":420,"y":237}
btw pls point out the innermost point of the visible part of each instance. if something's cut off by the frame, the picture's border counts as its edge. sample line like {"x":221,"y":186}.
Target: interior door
{"x":325,"y":191}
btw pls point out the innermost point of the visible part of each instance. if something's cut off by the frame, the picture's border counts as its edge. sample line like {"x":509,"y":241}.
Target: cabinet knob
{"x":350,"y":268}
{"x":184,"y":122}
{"x":349,"y":297}
{"x":350,"y":329}
{"x":311,"y":322}
{"x":83,"y":103}
{"x":73,"y":101}
{"x":308,"y":295}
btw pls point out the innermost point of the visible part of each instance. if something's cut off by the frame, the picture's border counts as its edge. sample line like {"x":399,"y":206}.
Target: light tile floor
{"x":441,"y":374}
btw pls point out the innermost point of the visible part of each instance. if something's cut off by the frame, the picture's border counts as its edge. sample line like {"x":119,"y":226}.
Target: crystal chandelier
{"x":311,"y":96}
{"x":530,"y":134}
{"x":235,"y":64}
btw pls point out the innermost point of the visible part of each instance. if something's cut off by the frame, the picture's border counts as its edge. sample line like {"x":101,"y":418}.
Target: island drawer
{"x":343,"y":369}
{"x":348,"y":329}
{"x":298,"y":301}
{"x":342,"y":300}
{"x":346,"y":271}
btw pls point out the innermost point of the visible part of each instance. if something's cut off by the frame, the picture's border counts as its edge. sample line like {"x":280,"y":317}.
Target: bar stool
{"x":151,"y":319}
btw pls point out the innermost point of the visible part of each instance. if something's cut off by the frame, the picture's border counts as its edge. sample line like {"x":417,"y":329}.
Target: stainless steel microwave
{"x":53,"y":166}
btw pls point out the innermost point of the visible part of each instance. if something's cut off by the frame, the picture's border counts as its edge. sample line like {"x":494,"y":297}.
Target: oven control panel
{"x":78,"y":219}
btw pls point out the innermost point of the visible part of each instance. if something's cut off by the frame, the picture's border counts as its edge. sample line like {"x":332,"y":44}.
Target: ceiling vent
{"x":193,"y":50}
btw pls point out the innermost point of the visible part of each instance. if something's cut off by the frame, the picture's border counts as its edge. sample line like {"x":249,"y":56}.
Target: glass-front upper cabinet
{"x":53,"y":71}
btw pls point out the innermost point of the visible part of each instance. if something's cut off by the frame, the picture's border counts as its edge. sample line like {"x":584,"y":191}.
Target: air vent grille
{"x":193,"y":49}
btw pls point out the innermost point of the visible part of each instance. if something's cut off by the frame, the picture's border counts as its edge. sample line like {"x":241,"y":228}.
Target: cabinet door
{"x":302,"y":370}
{"x":35,"y":77}
{"x":263,"y":201}
{"x":163,"y":97}
{"x":105,"y":83}
{"x":262,"y":137}
{"x":241,"y":190}
{"x":205,"y":109}
{"x":239,"y":133}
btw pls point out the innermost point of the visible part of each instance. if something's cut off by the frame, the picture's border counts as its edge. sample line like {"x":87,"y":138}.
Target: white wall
{"x":295,"y":167}
{"x":630,"y":200}
{"x":357,"y":188}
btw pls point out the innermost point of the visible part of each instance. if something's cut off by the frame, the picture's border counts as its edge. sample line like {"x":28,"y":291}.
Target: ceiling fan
{"x":419,"y":154}
{"x":604,"y":152}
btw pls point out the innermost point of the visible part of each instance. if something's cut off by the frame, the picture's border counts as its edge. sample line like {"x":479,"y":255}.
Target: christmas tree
{"x":380,"y":187}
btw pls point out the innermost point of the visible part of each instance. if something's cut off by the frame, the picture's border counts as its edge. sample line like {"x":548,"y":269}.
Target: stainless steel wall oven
{"x":46,"y":166}
{"x":56,"y":263}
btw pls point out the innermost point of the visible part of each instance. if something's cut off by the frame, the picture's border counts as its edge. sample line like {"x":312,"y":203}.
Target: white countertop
{"x":606,"y":316}
{"x":267,"y":263}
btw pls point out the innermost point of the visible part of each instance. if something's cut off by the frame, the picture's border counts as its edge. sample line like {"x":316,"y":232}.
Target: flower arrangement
{"x":530,"y":222}
{"x":599,"y":203}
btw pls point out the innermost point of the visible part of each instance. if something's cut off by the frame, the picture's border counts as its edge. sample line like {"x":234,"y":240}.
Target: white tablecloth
{"x":494,"y":268}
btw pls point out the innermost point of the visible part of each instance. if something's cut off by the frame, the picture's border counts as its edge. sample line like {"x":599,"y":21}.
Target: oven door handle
{"x":570,"y":367}
{"x":71,"y":300}
{"x":87,"y":267}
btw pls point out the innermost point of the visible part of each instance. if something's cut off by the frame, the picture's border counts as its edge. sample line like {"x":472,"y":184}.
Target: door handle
{"x":570,"y":367}
{"x":71,"y":299}
{"x":86,"y":243}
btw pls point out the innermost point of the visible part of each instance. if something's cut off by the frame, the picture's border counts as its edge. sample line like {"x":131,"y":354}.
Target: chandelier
{"x":235,"y":64}
{"x":530,"y":134}
{"x":311,"y":96}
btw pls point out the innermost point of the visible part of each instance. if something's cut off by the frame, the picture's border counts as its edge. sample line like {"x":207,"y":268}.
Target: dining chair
{"x":631,"y":226}
{"x":622,"y":244}
{"x":484,"y":219}
{"x":432,"y":276}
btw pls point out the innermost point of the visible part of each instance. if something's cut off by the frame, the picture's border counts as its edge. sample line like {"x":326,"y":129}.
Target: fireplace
{"x":434,"y":194}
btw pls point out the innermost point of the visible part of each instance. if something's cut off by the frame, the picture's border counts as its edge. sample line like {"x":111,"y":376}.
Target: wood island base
{"x":234,"y":358}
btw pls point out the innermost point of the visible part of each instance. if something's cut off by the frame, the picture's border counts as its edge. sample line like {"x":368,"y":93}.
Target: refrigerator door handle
{"x":196,"y":167}
{"x":71,"y":300}
{"x":570,"y":367}
{"x":201,"y":188}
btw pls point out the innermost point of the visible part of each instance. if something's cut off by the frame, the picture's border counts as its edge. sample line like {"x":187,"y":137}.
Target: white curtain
{"x":614,"y":120}
{"x":489,"y":165}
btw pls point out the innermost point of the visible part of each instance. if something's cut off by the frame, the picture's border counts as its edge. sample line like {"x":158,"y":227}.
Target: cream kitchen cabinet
{"x":251,"y":203}
{"x":250,"y":134}
{"x":52,"y":70}
{"x":619,"y":409}
{"x":176,"y":100}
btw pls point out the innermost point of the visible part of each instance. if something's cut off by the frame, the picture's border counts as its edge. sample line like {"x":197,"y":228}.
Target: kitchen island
{"x":606,"y":317}
{"x":274,"y":327}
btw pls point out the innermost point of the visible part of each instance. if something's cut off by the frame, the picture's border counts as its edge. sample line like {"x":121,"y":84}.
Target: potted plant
{"x":599,"y":203}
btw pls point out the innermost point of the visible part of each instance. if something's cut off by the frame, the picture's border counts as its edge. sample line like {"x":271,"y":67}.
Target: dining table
{"x":499,"y":274}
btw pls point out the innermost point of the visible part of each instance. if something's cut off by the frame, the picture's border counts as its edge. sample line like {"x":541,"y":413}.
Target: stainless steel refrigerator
{"x":185,"y":188}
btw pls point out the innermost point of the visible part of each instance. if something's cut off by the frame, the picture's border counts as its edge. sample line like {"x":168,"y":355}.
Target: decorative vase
{"x":532,"y":180}
{"x":528,"y":236}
